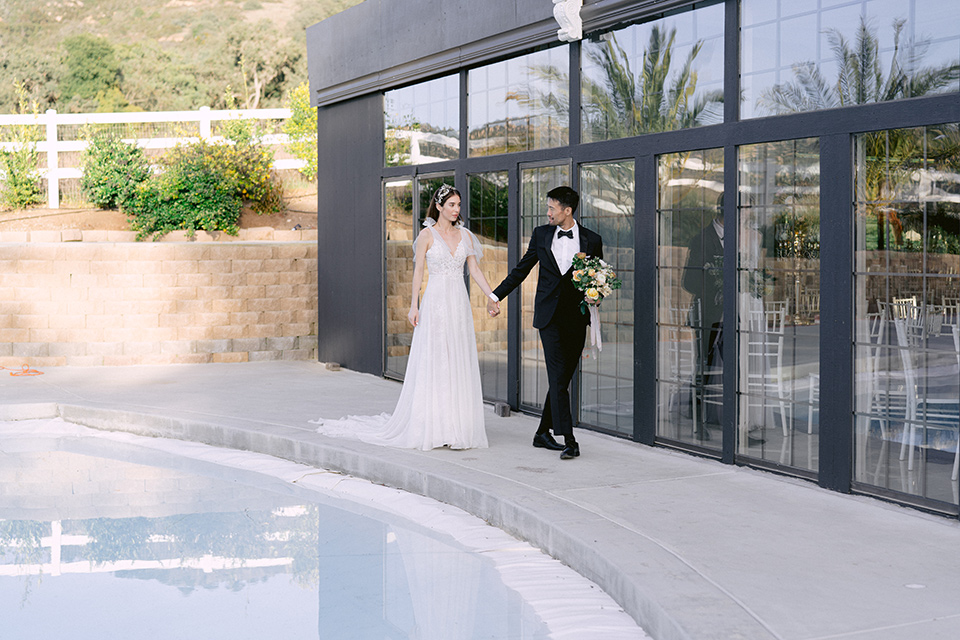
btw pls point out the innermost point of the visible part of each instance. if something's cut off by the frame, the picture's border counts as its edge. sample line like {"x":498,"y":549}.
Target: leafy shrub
{"x":192,"y":193}
{"x":112,"y":170}
{"x":203,"y":186}
{"x":249,"y":165}
{"x":301,"y":126}
{"x":21,"y":184}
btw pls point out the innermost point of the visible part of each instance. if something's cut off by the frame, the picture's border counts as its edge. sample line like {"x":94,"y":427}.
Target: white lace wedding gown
{"x":441,"y":403}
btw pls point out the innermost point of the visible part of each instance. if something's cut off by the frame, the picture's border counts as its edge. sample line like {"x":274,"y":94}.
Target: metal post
{"x":53,"y":179}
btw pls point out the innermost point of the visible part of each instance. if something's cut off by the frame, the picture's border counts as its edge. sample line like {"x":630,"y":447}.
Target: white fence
{"x":204,"y":119}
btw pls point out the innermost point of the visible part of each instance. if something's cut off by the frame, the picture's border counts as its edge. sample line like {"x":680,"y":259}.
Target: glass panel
{"x":607,"y":206}
{"x":656,"y":76}
{"x":422,"y":122}
{"x":426,"y":186}
{"x":404,"y":201}
{"x":534,"y":184}
{"x":798,"y":57}
{"x":489,"y":195}
{"x":690,"y":298}
{"x":520,"y":104}
{"x":907,"y":307}
{"x":397,"y":273}
{"x":779,"y":302}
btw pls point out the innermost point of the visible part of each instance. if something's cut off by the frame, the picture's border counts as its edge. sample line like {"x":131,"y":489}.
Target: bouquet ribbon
{"x":595,"y":340}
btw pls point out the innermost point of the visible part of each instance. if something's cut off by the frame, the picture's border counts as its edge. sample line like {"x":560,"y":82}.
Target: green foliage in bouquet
{"x":594,"y":278}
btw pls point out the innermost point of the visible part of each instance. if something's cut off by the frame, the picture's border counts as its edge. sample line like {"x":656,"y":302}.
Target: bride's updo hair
{"x":440,"y":196}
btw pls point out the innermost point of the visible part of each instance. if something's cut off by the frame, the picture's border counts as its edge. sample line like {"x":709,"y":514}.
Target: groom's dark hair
{"x":566,"y":196}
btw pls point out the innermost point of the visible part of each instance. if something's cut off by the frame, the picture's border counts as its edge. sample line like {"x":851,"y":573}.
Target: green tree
{"x":301,"y":126}
{"x":21,"y":184}
{"x":92,"y":67}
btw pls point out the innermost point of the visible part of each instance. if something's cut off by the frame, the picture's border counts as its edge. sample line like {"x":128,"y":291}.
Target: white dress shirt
{"x":565,"y":248}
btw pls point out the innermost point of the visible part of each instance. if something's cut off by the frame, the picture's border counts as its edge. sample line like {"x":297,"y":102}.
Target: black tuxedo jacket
{"x":556,"y":295}
{"x":705,"y":248}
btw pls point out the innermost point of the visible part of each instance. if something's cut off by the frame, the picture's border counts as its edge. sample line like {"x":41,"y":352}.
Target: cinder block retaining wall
{"x":102,"y":303}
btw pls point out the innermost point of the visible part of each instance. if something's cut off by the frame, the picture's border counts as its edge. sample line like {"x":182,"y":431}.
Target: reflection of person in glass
{"x":441,"y":403}
{"x":556,"y":310}
{"x":703,"y":277}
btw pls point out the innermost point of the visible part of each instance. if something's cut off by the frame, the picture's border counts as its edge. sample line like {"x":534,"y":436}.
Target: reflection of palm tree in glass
{"x":860,"y":77}
{"x":622,"y":104}
{"x":892,"y":156}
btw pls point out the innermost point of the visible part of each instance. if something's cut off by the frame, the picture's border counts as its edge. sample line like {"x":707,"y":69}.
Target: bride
{"x":441,"y":404}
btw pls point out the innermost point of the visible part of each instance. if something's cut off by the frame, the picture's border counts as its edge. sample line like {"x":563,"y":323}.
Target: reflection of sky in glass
{"x":776,"y":35}
{"x":188,"y":549}
{"x":422,"y":122}
{"x":603,"y":91}
{"x":519,"y":104}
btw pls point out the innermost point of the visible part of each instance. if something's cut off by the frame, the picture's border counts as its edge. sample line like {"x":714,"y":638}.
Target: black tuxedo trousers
{"x":558,"y":317}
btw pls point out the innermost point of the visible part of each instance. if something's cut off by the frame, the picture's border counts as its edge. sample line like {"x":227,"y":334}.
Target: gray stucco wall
{"x":350,"y":235}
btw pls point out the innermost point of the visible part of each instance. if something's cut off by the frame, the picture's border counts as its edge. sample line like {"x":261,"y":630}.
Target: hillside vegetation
{"x":154,"y":55}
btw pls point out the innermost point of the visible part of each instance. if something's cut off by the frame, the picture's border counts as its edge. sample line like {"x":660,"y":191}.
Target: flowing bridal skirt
{"x":441,"y":403}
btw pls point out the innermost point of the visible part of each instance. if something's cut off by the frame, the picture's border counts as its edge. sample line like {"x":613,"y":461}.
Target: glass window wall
{"x":656,"y":76}
{"x":398,"y":273}
{"x":422,"y":122}
{"x":805,"y":55}
{"x":779,"y":302}
{"x":907,"y":305}
{"x":607,"y":206}
{"x":520,"y":104}
{"x":690,"y":298}
{"x":535,"y":182}
{"x":489,"y":195}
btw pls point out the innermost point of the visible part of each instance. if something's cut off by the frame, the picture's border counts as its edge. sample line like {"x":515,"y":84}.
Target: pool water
{"x":126,"y":537}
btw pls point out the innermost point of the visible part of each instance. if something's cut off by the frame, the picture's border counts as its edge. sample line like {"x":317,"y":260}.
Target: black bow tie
{"x":565,"y":234}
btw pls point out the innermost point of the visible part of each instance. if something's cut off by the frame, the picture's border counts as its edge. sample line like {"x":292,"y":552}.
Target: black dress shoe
{"x":546,"y":441}
{"x":753,"y":441}
{"x":570,"y":451}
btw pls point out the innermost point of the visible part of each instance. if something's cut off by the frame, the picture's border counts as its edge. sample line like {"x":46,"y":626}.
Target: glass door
{"x":397,"y":274}
{"x":535,"y":181}
{"x":487,"y":218}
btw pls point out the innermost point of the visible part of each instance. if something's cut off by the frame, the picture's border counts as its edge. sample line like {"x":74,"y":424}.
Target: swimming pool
{"x":115,"y":535}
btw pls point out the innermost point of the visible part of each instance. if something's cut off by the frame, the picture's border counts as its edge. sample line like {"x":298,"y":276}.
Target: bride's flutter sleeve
{"x":473,"y":245}
{"x":427,"y":223}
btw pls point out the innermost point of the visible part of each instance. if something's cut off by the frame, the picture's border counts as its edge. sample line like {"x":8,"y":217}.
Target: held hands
{"x":414,"y":316}
{"x":493,"y":308}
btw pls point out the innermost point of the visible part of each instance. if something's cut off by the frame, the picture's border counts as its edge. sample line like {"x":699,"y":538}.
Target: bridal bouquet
{"x":596,"y":280}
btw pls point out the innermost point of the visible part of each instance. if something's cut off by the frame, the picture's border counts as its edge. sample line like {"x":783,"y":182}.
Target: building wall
{"x":88,"y":304}
{"x":351,"y":233}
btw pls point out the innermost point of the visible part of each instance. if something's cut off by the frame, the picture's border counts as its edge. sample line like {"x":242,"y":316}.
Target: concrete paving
{"x":691,"y":548}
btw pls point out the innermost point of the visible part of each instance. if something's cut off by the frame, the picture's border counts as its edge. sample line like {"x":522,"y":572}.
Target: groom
{"x":556,"y":311}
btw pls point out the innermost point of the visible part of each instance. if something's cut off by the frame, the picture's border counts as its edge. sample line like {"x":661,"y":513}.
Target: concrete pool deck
{"x":691,"y":548}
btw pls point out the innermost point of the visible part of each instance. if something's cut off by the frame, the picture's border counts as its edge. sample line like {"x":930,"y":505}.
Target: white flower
{"x":600,"y":279}
{"x":606,"y":291}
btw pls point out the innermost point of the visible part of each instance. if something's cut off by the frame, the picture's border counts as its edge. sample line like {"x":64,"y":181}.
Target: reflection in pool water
{"x":102,"y":538}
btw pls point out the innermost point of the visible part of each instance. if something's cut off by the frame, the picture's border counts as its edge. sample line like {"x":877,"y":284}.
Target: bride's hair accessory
{"x":442,"y":193}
